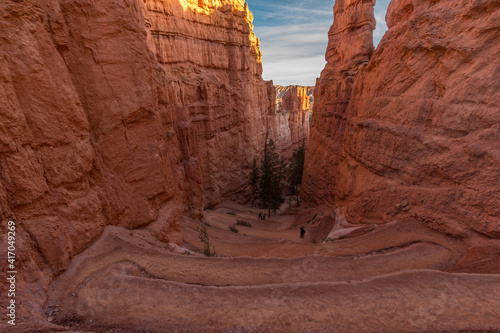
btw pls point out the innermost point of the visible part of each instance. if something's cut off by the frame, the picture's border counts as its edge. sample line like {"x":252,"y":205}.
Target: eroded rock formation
{"x":291,"y":122}
{"x":387,"y":279}
{"x":413,"y":127}
{"x":127,"y":113}
{"x":281,"y":91}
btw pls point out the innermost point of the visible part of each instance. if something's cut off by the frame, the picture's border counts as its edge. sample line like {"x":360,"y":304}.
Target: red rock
{"x":289,"y":125}
{"x":114,"y":111}
{"x":318,"y":232}
{"x":417,"y":121}
{"x":281,"y":91}
{"x":127,"y":113}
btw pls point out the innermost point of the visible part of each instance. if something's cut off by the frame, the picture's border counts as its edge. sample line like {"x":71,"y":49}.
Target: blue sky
{"x":294,"y":34}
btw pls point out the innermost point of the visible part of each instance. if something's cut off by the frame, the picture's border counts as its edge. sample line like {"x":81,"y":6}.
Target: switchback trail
{"x":265,"y":278}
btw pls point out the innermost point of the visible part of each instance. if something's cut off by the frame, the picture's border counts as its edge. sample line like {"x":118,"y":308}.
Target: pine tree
{"x":279,"y":176}
{"x":297,"y":169}
{"x":266,"y":170}
{"x":254,"y":181}
{"x":270,"y":180}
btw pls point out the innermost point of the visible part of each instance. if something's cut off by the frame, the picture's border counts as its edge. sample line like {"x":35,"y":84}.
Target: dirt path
{"x":267,"y":279}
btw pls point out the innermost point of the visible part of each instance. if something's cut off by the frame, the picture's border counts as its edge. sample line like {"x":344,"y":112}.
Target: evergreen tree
{"x":278,"y":188}
{"x":282,"y":169}
{"x":254,"y":181}
{"x":297,"y":169}
{"x":266,"y":170}
{"x":270,"y":180}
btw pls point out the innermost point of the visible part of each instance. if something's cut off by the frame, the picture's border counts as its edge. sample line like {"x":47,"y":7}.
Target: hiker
{"x":264,"y":216}
{"x":302,"y":232}
{"x":260,"y":216}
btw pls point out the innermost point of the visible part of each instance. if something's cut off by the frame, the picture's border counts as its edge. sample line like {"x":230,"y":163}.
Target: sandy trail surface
{"x":265,"y":278}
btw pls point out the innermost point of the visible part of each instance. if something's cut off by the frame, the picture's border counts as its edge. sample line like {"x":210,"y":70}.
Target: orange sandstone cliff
{"x":413,"y":127}
{"x":296,"y":90}
{"x":290,"y":124}
{"x":126,"y":113}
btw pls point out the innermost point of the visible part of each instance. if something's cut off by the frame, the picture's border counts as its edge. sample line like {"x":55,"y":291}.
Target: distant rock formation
{"x":413,"y":127}
{"x":291,"y":124}
{"x":281,"y":91}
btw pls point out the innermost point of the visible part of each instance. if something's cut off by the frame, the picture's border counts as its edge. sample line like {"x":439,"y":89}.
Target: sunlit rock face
{"x":290,"y":101}
{"x":414,"y":127}
{"x":122,"y":112}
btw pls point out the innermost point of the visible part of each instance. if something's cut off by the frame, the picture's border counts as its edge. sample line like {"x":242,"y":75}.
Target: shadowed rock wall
{"x":413,"y":127}
{"x":122,"y":112}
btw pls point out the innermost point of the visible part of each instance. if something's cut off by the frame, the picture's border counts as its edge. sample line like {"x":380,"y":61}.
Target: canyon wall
{"x":290,"y":124}
{"x":127,"y":113}
{"x":282,"y":90}
{"x":413,"y":127}
{"x":220,"y":99}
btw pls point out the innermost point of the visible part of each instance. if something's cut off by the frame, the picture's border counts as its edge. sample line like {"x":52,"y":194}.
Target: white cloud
{"x":294,"y":37}
{"x":293,"y":54}
{"x":381,"y":27}
{"x":294,"y":70}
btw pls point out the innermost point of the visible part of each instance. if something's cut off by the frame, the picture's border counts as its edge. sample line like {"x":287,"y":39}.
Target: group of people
{"x":262,"y":216}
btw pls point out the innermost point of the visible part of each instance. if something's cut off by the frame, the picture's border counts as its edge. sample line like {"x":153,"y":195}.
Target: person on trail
{"x":260,"y":216}
{"x":264,"y":216}
{"x":302,"y":232}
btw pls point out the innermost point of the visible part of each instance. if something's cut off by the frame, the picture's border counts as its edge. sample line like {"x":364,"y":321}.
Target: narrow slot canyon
{"x":152,"y":181}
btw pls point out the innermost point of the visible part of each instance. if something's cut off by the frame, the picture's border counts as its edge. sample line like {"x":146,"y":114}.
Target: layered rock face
{"x":281,"y":91}
{"x":296,"y":102}
{"x":128,"y":113}
{"x":221,"y":89}
{"x":291,"y":122}
{"x":413,"y":127}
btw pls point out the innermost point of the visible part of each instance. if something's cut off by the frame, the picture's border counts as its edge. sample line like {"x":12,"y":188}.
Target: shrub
{"x":233,"y":229}
{"x":243,"y":223}
{"x":231,"y":213}
{"x":203,"y":236}
{"x":314,"y":217}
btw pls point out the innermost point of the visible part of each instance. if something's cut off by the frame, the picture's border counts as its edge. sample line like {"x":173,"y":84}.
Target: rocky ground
{"x":265,"y":278}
